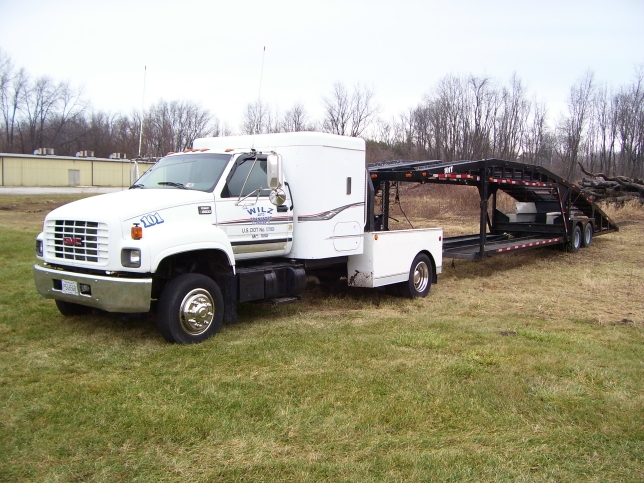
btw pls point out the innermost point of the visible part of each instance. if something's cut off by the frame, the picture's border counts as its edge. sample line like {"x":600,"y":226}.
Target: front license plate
{"x":70,"y":287}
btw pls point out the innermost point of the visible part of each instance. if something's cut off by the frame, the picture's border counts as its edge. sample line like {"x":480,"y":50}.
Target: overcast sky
{"x":211,"y":51}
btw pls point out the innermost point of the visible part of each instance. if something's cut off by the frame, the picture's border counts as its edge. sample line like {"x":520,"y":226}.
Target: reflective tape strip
{"x":519,"y":182}
{"x":527,"y":245}
{"x":455,"y":176}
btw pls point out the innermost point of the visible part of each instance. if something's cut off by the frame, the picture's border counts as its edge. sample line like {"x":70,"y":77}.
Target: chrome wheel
{"x":197,"y":311}
{"x":190,"y":309}
{"x":421,"y":276}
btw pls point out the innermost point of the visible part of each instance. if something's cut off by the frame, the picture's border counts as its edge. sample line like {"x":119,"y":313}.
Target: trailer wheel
{"x":69,"y":309}
{"x":575,"y":244}
{"x":190,"y":309}
{"x":420,"y":278}
{"x":588,"y":235}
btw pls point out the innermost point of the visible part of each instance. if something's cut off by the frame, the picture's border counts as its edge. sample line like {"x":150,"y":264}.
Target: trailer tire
{"x":69,"y":309}
{"x":420,"y":278}
{"x":576,"y":241}
{"x":588,"y":235}
{"x":190,"y":309}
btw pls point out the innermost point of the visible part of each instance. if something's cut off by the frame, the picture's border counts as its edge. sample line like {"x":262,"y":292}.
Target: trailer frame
{"x":562,"y":214}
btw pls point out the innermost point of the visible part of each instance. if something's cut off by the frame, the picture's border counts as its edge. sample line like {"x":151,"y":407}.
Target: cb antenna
{"x":145,"y":72}
{"x":259,"y":98}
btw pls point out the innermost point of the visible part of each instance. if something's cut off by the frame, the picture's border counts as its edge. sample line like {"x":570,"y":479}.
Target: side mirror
{"x":274,"y":174}
{"x":277,"y":196}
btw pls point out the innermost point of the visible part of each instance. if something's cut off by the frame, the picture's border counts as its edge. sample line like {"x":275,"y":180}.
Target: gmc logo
{"x":73,"y":241}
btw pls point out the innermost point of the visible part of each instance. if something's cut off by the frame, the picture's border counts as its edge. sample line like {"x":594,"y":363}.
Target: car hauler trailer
{"x":235,"y":219}
{"x":549,"y":209}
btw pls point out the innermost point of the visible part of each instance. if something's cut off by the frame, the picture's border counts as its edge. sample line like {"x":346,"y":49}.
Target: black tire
{"x":420,"y":278}
{"x":575,"y":243}
{"x":190,"y":309}
{"x":588,"y":235}
{"x":394,"y":289}
{"x":69,"y":309}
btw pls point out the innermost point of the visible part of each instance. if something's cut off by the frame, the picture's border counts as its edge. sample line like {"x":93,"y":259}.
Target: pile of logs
{"x":614,"y":189}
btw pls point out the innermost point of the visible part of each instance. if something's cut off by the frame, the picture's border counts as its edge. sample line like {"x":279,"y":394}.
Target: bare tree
{"x":484,"y":111}
{"x":67,"y":124}
{"x":533,"y":145}
{"x":572,"y":128}
{"x":173,"y":126}
{"x":41,"y":102}
{"x":512,"y":119}
{"x":12,"y":96}
{"x":296,"y":119}
{"x":258,"y":119}
{"x":349,"y":114}
{"x":630,"y":125}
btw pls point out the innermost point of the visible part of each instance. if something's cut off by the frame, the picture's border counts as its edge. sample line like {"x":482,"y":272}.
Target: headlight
{"x":131,"y":257}
{"x":39,"y":249}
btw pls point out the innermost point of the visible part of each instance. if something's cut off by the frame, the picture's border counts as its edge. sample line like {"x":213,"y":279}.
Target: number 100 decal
{"x":151,"y":220}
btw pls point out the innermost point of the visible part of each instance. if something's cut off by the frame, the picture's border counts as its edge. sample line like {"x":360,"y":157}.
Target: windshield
{"x":185,"y":171}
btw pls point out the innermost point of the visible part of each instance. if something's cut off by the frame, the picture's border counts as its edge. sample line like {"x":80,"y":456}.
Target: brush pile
{"x":614,"y":189}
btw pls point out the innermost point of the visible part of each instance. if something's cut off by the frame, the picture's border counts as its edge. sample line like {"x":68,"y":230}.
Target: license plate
{"x":70,"y":287}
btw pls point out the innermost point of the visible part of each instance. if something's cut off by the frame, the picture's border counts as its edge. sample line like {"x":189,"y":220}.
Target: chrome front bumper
{"x":106,"y":293}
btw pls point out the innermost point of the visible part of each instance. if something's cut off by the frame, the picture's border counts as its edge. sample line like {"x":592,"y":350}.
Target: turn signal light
{"x":136,"y":232}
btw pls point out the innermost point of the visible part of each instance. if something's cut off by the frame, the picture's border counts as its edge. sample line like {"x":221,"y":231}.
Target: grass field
{"x":525,"y":367}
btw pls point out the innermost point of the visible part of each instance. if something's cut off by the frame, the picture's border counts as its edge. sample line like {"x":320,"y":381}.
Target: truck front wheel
{"x":420,"y":278}
{"x":69,"y":309}
{"x":190,"y":309}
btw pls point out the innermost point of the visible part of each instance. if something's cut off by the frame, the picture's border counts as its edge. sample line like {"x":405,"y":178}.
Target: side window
{"x":256,"y":180}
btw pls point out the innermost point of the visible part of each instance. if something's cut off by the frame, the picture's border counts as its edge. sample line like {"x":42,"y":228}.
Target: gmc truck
{"x":234,"y":219}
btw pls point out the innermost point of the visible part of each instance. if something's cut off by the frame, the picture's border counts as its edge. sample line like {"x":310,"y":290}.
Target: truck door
{"x":256,"y":228}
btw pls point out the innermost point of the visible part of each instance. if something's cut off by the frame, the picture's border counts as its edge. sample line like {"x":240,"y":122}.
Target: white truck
{"x":235,"y":219}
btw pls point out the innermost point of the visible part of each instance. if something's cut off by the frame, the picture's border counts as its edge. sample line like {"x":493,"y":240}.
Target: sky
{"x":126,"y":54}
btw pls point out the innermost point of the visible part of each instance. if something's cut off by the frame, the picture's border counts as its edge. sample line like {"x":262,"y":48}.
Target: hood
{"x":130,"y":203}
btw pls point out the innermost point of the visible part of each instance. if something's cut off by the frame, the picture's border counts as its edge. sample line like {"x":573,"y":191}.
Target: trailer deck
{"x":550,"y":209}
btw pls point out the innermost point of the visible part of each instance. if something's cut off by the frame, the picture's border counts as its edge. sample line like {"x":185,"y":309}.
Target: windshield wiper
{"x":172,"y":183}
{"x":134,"y":186}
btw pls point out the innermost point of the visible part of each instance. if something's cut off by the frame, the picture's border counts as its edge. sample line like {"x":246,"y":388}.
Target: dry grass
{"x":523,"y":367}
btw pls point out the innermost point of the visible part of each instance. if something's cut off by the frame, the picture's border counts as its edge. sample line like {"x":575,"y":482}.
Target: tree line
{"x":461,"y":117}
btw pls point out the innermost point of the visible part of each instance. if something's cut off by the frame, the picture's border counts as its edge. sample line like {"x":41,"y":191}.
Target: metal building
{"x":82,"y":170}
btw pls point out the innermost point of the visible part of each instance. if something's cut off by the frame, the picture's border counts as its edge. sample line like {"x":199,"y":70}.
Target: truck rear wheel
{"x":575,"y":243}
{"x":420,"y":278}
{"x":190,"y":309}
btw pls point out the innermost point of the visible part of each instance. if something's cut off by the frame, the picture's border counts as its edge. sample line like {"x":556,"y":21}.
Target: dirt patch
{"x":30,"y":211}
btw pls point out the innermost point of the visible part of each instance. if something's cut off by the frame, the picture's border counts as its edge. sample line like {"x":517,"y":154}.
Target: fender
{"x":186,"y":236}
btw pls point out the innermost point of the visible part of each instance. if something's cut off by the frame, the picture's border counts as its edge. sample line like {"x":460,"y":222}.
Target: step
{"x":284,"y":300}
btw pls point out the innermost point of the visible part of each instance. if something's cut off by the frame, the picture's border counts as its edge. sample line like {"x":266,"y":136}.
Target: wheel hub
{"x":421,"y":277}
{"x":197,"y":311}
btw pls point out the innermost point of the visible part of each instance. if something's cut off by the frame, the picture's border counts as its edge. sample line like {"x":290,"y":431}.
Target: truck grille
{"x":81,"y":241}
